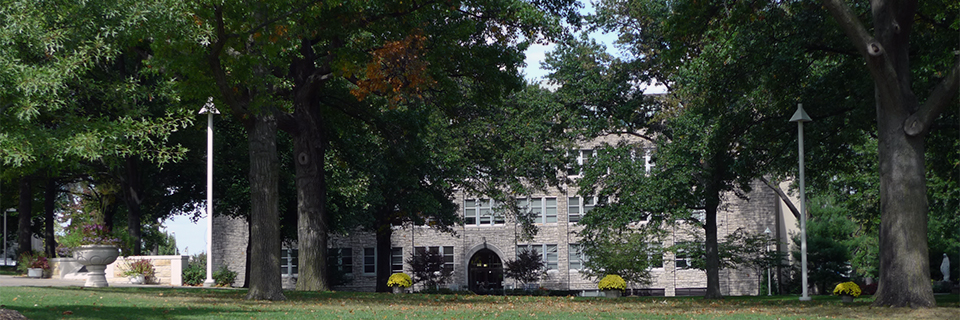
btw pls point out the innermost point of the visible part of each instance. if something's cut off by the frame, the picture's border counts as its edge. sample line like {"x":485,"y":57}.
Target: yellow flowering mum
{"x":848,"y":287}
{"x":399,"y":279}
{"x":612,"y":282}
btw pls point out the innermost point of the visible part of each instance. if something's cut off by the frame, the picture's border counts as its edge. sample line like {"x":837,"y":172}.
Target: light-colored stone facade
{"x":758,"y":211}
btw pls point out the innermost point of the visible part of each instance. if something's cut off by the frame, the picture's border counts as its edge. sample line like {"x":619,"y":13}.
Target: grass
{"x":40,"y":303}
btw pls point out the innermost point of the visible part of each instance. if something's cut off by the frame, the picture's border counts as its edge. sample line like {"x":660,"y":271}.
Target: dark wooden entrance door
{"x":485,"y":272}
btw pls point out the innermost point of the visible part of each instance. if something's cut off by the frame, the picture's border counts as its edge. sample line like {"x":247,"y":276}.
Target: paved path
{"x":21,"y":281}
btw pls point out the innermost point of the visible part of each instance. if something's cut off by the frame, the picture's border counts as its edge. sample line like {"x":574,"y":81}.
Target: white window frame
{"x":482,"y":212}
{"x":396,"y":253}
{"x":575,"y":253}
{"x":373,"y":264}
{"x":549,"y":254}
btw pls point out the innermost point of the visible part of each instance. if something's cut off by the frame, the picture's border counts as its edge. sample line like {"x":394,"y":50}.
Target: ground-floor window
{"x":396,"y":259}
{"x":343,"y":259}
{"x":446,"y":252}
{"x":547,"y":251}
{"x":370,"y":261}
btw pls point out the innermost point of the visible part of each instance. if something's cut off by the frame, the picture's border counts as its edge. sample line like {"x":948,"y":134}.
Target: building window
{"x":370,"y":261}
{"x":573,"y":209}
{"x":583,"y":158}
{"x":575,"y":257}
{"x":548,"y":252}
{"x":343,"y":258}
{"x":288,"y":262}
{"x":655,"y":257}
{"x":396,"y":259}
{"x":446,"y":252}
{"x":543,"y":210}
{"x":577,"y":207}
{"x":480,"y":212}
{"x":448,"y":258}
{"x":683,"y":259}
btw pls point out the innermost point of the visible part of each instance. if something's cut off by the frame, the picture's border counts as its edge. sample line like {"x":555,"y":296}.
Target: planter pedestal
{"x":399,"y":290}
{"x":96,"y":258}
{"x":846,"y":298}
{"x":611,"y":293}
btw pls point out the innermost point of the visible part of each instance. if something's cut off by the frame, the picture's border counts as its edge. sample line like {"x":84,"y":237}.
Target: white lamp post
{"x":11,"y":210}
{"x":210,"y":110}
{"x":766,"y":248}
{"x":800,"y":117}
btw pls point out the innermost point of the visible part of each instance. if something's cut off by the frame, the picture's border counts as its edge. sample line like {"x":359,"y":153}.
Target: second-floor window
{"x":544,"y":210}
{"x":577,"y":207}
{"x":478,"y":212}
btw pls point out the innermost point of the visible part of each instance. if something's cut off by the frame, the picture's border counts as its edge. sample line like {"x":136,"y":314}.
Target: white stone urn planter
{"x":35,"y":272}
{"x":138,"y":279}
{"x":96,"y":257}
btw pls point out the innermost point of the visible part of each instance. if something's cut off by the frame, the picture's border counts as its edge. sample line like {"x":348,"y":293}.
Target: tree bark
{"x":49,"y":206}
{"x":711,"y":247}
{"x":384,"y":247}
{"x":311,"y":201}
{"x":24,"y":213}
{"x":132,"y":197}
{"x":265,"y":280}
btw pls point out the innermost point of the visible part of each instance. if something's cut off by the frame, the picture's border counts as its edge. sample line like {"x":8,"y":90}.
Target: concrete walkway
{"x":21,"y":281}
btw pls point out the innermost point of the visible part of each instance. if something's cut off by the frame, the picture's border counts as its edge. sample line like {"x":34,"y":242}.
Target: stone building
{"x":477,"y":249}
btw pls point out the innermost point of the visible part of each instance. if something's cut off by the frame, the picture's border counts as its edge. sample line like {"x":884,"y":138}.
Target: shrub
{"x":223,"y":277}
{"x":32,"y":260}
{"x":848,"y":288}
{"x":612,"y":282}
{"x":427,"y":267}
{"x":139,"y":267}
{"x":399,"y":279}
{"x":196,"y":271}
{"x":527,"y":268}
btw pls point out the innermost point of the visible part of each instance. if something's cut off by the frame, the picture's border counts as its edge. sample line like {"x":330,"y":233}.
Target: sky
{"x":192,"y":237}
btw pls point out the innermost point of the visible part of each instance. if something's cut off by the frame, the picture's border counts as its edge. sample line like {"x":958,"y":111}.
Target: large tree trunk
{"x":49,"y":206}
{"x":904,"y":263}
{"x":309,"y":147}
{"x":711,"y":247}
{"x":311,"y":202}
{"x":133,"y":197}
{"x":24,"y":212}
{"x":384,"y":247}
{"x":265,"y":281}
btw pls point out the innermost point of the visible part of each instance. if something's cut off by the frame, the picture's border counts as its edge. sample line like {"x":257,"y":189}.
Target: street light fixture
{"x":800,"y":117}
{"x":210,"y":110}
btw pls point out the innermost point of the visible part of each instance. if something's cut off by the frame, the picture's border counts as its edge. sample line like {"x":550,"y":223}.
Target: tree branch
{"x":942,"y":94}
{"x":783,"y":196}
{"x":878,"y":60}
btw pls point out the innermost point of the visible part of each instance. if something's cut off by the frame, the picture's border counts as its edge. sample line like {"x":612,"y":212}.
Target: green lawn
{"x":40,"y":303}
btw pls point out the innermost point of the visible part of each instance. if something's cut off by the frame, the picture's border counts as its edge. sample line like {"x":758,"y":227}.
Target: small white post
{"x":210,"y":110}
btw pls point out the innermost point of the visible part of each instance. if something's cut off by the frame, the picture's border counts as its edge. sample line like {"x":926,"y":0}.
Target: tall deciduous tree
{"x":739,"y":69}
{"x":903,"y":122}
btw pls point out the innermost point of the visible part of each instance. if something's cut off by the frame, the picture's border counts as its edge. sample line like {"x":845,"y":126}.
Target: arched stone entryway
{"x":485,"y":272}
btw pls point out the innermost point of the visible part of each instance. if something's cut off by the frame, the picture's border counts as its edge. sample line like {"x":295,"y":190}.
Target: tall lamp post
{"x":10,"y":210}
{"x":210,"y":110}
{"x":766,"y":249}
{"x":800,"y":117}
